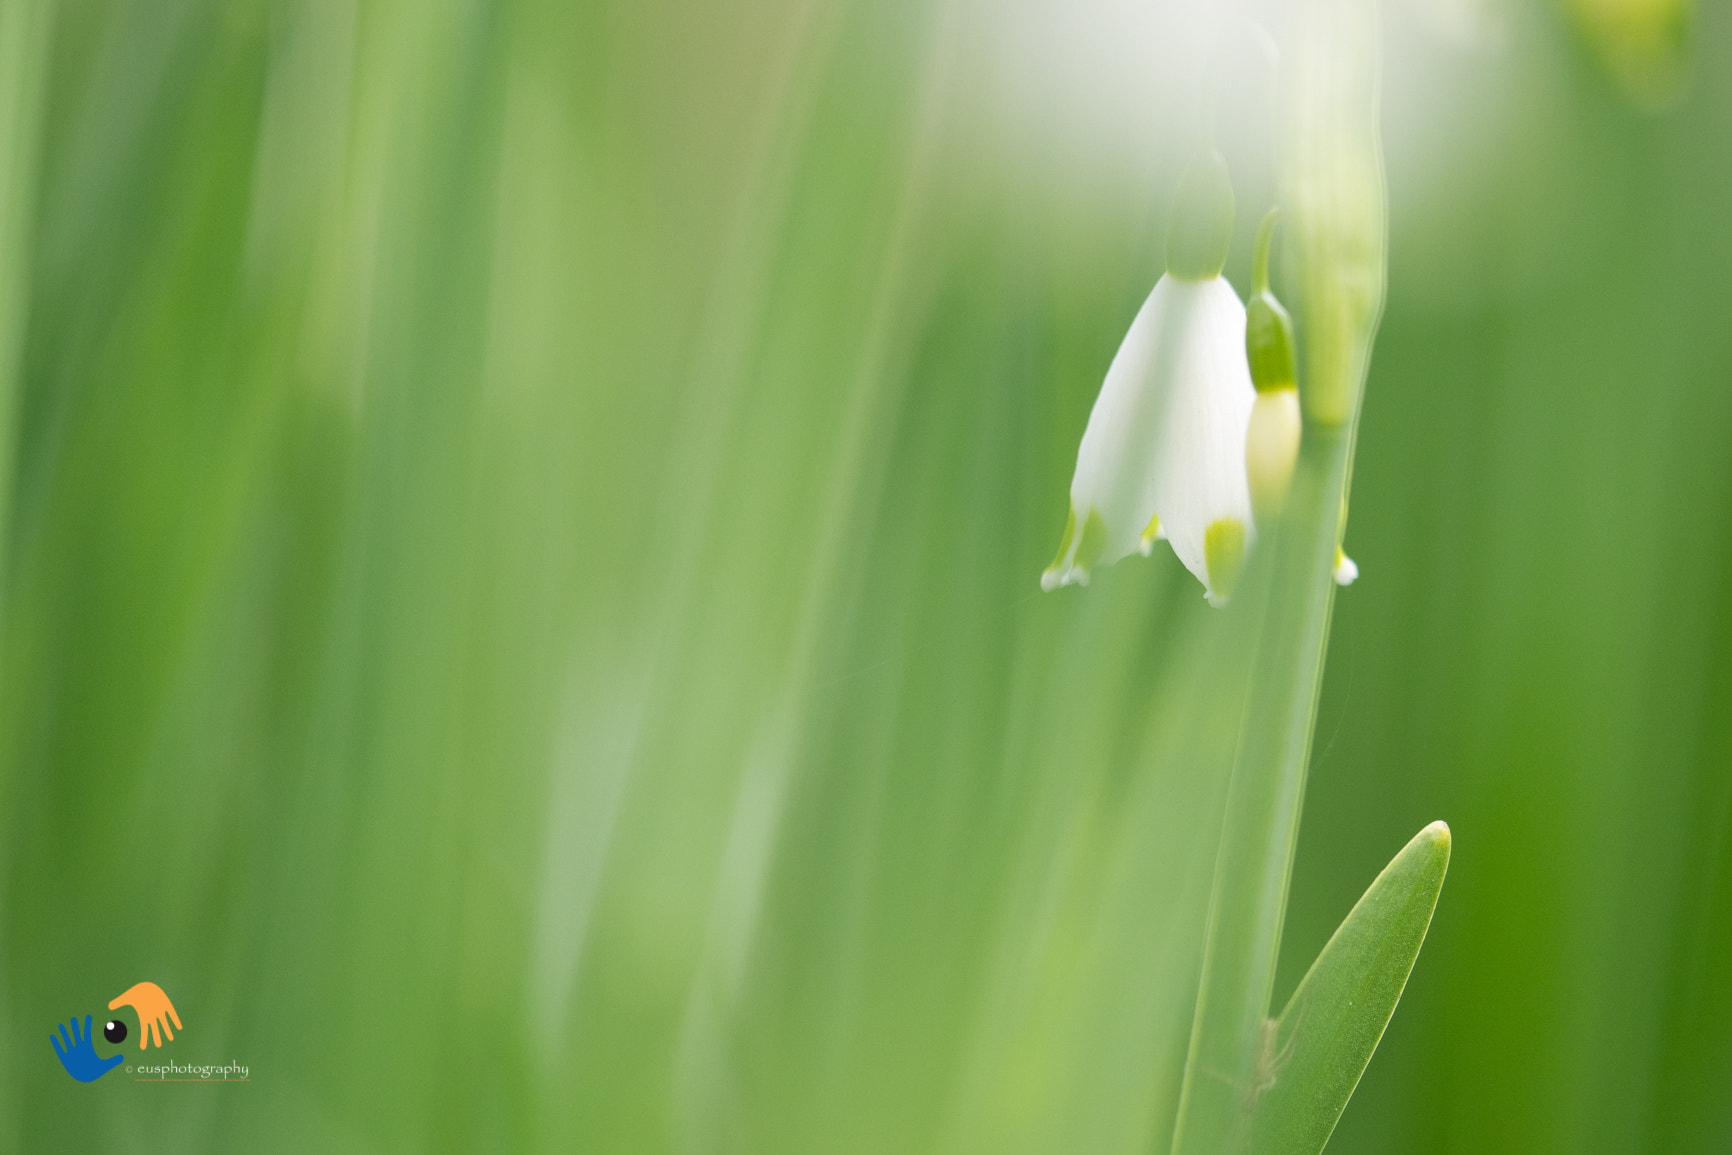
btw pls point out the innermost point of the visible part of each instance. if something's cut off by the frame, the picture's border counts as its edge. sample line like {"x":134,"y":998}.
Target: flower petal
{"x":1112,"y":482}
{"x":1198,"y":477}
{"x":1164,"y":451}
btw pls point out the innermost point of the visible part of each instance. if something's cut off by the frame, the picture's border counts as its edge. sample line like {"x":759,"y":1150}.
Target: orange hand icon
{"x":154,"y":1011}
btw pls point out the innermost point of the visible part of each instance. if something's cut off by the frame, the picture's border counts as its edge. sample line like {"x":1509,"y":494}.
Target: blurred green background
{"x":520,"y":599}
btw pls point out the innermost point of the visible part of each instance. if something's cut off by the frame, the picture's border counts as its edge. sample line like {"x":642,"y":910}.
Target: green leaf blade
{"x":1331,"y":1026}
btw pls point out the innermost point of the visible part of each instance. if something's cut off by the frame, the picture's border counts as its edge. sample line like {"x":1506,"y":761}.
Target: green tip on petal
{"x":1151,"y":534}
{"x":1077,"y":552}
{"x":1202,"y":224}
{"x":1223,"y":557}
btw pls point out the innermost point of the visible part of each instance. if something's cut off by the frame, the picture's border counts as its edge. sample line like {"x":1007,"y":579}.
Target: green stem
{"x":1260,"y":252}
{"x":1333,"y":201}
{"x":1261,"y":827}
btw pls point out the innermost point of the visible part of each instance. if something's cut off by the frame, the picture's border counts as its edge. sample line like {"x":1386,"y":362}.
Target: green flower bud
{"x":1272,"y":440}
{"x":1268,"y":328}
{"x":1202,"y":224}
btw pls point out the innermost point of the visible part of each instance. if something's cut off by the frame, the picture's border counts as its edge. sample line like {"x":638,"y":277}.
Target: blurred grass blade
{"x":25,"y":27}
{"x":1334,"y":1021}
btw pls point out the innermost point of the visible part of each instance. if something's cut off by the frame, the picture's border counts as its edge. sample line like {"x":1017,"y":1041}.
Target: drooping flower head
{"x":1163,"y":454}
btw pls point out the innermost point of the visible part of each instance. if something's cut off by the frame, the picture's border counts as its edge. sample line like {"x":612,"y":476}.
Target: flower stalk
{"x":1333,"y":199}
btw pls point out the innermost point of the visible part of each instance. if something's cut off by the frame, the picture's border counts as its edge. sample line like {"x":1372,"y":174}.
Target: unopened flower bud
{"x":1272,"y":449}
{"x":1272,"y":439}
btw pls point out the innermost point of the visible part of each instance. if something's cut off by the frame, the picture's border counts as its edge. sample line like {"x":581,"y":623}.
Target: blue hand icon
{"x":78,"y":1055}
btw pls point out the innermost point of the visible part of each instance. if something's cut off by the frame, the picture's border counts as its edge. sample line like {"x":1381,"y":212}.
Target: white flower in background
{"x":1164,"y":451}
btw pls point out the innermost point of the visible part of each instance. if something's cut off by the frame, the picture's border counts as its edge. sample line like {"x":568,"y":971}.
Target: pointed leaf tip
{"x":1331,"y":1026}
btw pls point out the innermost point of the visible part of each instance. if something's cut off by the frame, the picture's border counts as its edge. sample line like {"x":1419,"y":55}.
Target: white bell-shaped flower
{"x":1163,"y":454}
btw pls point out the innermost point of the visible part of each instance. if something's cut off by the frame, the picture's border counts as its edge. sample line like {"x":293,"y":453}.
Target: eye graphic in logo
{"x":77,"y":1050}
{"x":154,"y":1012}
